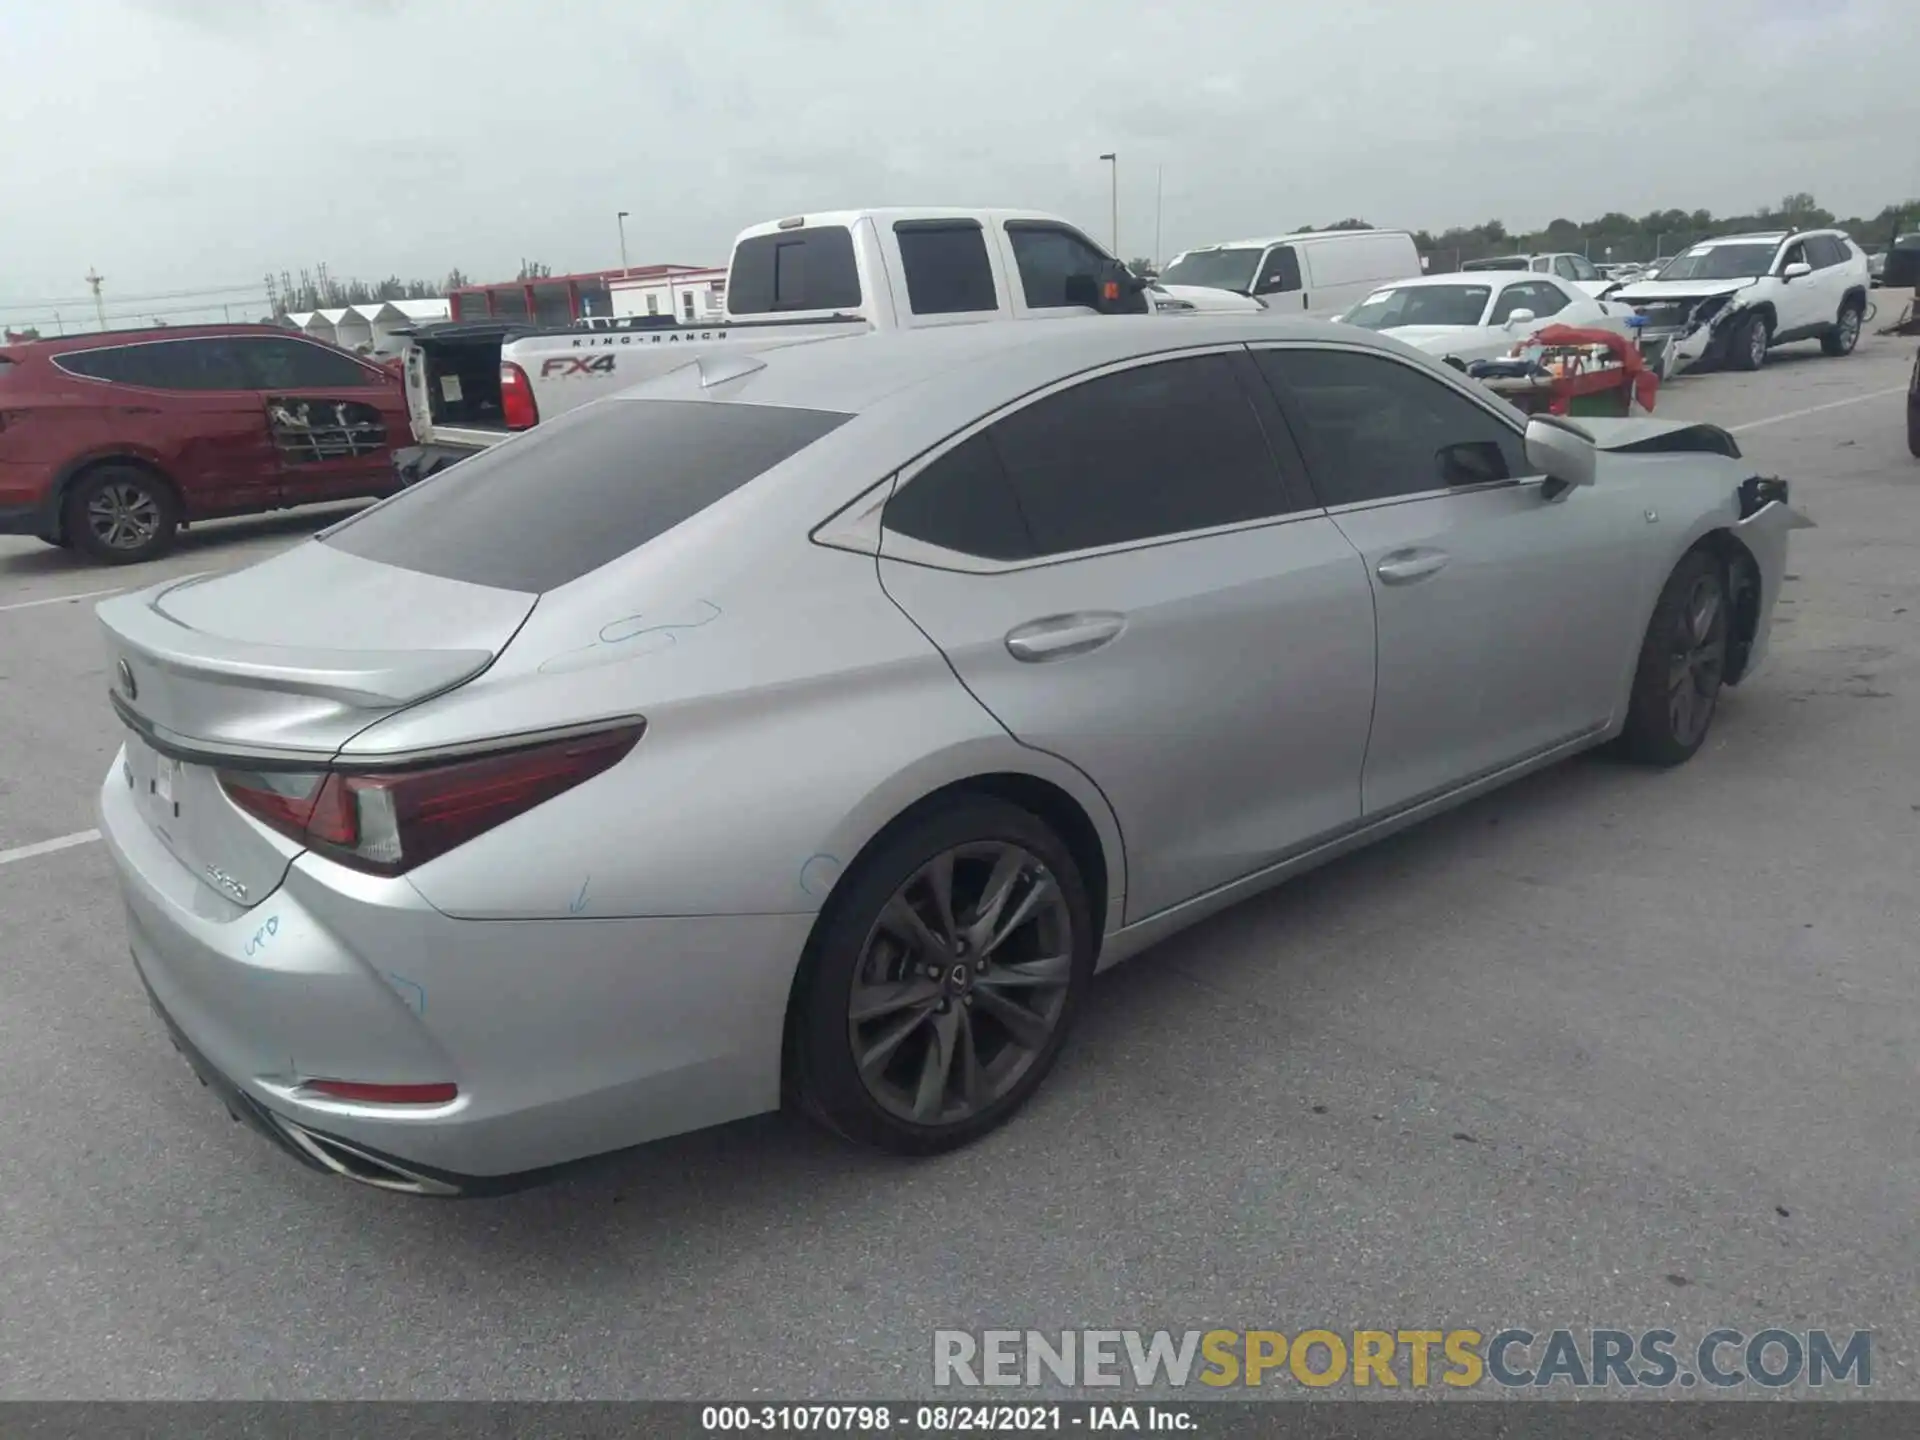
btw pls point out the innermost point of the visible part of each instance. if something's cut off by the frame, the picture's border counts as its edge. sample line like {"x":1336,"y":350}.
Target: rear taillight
{"x":387,"y":822}
{"x":367,"y":1093}
{"x":516,"y":398}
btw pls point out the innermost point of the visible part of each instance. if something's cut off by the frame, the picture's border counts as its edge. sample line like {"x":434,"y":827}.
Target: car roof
{"x":886,"y":215}
{"x":101,"y":339}
{"x":1465,"y":277}
{"x":1293,"y":237}
{"x":852,"y":375}
{"x":1756,"y":237}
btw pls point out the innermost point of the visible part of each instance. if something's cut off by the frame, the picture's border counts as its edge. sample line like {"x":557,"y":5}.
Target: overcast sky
{"x":185,"y":144}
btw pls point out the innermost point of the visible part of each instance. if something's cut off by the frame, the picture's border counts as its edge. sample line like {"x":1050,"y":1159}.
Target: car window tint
{"x":1583,"y":268}
{"x":1151,"y":451}
{"x":579,"y":491}
{"x":946,"y":266}
{"x":277,"y":364}
{"x":1515,"y":297}
{"x":795,"y":270}
{"x":206,"y":364}
{"x":1047,"y":257}
{"x":1824,"y":251}
{"x":962,"y":502}
{"x":1548,"y":299}
{"x":1373,"y":428}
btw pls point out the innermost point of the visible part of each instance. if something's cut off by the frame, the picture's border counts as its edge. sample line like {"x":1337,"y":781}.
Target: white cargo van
{"x":1316,"y":272}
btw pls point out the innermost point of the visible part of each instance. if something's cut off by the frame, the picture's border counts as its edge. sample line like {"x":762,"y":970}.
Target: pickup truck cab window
{"x":946,"y":265}
{"x":808,"y":269}
{"x":1047,"y":257}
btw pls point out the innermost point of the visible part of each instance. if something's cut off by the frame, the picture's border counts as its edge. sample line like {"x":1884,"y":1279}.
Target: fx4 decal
{"x":577,"y":365}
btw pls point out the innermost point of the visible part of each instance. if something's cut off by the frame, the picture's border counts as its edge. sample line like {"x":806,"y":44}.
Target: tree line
{"x":1619,"y":238}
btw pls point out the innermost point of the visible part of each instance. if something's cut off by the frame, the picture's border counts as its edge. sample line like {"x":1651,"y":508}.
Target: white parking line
{"x":59,"y":599}
{"x":1813,"y":410}
{"x":47,"y":847}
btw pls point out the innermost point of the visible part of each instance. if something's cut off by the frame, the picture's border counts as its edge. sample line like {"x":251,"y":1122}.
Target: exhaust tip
{"x":350,"y":1162}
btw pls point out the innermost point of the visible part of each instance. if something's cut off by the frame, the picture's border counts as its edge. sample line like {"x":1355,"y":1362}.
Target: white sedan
{"x":1482,"y":316}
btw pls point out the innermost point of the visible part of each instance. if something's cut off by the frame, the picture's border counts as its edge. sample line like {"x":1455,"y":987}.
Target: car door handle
{"x":1059,"y":636}
{"x":1403,"y":567}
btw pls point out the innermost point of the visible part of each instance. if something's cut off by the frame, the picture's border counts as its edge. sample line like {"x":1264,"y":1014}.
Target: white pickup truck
{"x":812,"y":277}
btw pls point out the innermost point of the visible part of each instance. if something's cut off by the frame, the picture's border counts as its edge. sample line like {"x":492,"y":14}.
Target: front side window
{"x":1280,"y":275}
{"x":1583,"y":268}
{"x":795,"y":270}
{"x":1142,"y":454}
{"x":946,"y":266}
{"x":289,"y":364}
{"x":1047,"y":258}
{"x":579,"y":490}
{"x":1539,"y":296}
{"x":1374,"y":428}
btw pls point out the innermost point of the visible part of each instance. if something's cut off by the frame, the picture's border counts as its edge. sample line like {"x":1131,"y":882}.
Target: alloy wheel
{"x":961,"y":983}
{"x":1849,"y":329}
{"x":123,"y":516}
{"x":1698,"y":661}
{"x":1757,"y":342}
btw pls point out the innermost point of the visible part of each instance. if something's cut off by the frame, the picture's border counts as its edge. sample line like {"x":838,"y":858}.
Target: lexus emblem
{"x":128,"y":686}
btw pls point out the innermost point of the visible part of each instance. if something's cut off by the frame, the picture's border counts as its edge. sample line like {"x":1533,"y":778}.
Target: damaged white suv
{"x":1734,"y":297}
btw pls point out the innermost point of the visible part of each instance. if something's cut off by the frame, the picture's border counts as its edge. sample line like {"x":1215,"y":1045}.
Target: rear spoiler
{"x":358,"y":679}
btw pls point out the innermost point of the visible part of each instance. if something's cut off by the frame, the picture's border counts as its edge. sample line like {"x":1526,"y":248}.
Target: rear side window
{"x":277,"y":364}
{"x":795,"y":270}
{"x":1150,"y":452}
{"x":946,"y":266}
{"x":579,"y":491}
{"x":962,"y":502}
{"x":162,"y":365}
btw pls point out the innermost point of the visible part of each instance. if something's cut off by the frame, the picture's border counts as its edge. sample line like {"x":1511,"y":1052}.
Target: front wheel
{"x":944,"y":979}
{"x":122,"y":514}
{"x":1845,"y":333}
{"x":1747,"y":346}
{"x":1683,"y":662}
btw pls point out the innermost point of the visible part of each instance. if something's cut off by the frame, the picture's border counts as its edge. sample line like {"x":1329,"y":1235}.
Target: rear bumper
{"x":566,"y":1038}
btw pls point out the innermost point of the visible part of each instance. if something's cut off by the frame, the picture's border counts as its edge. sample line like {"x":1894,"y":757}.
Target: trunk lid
{"x":273,"y":669}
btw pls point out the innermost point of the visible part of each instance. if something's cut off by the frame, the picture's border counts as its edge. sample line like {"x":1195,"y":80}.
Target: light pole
{"x":622,"y":221}
{"x":1113,"y":161}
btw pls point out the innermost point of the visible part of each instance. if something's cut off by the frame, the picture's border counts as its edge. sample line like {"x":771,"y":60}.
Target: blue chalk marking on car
{"x":417,"y":999}
{"x":579,"y":902}
{"x":264,"y":934}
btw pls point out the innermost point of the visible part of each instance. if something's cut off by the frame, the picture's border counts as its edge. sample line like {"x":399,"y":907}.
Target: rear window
{"x":946,"y":265}
{"x":579,"y":491}
{"x":794,"y":270}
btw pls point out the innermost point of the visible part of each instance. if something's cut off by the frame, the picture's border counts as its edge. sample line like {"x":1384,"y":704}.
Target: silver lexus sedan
{"x":813,"y":725}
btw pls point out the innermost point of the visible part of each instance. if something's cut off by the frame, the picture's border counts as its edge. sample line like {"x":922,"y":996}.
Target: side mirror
{"x":1796,"y":270}
{"x":1116,"y":290}
{"x":1518,"y":318}
{"x":1560,"y":450}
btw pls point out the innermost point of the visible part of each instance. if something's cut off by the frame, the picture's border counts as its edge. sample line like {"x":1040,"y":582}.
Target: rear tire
{"x":922,"y":1023}
{"x":121,"y":514}
{"x":1747,"y":346}
{"x":1845,"y":333}
{"x":1683,"y":661}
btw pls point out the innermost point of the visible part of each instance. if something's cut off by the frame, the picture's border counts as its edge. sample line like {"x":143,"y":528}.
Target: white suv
{"x":1736,"y":296}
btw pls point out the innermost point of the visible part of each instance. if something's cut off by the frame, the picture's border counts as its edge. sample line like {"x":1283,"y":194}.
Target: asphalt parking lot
{"x":1610,"y":1048}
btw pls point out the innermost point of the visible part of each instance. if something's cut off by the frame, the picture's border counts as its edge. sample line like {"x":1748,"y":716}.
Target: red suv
{"x":111,"y":442}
